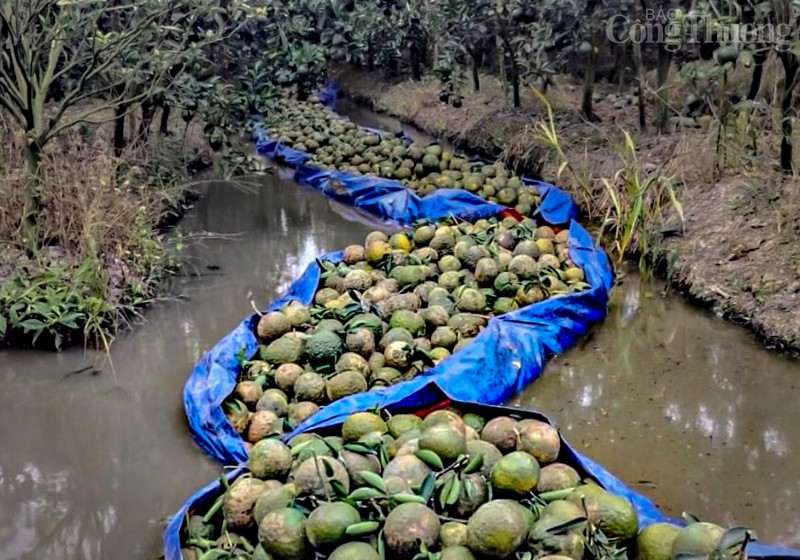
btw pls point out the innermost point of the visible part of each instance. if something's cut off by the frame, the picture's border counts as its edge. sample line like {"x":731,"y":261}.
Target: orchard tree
{"x":464,"y":28}
{"x":507,"y":18}
{"x":415,"y":37}
{"x":369,"y":31}
{"x":545,"y":36}
{"x":293,"y":47}
{"x":56,"y":61}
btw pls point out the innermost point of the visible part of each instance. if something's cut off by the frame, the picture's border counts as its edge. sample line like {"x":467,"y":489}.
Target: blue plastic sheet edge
{"x":429,"y":393}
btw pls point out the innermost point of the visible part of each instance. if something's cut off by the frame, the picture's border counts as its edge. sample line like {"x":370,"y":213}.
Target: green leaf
{"x":373,"y":480}
{"x":338,"y":488}
{"x":297,"y":449}
{"x":427,"y":486}
{"x":360,"y":448}
{"x":734,"y":538}
{"x":365,"y":493}
{"x":32,"y":325}
{"x":381,"y":546}
{"x":444,"y":493}
{"x":455,"y":492}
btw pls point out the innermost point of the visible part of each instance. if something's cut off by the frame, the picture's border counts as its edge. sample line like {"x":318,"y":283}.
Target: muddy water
{"x":91,"y":464}
{"x":686,"y":408}
{"x":365,"y":117}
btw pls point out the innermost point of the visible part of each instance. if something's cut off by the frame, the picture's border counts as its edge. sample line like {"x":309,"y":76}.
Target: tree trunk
{"x":790,"y":67}
{"x":662,"y":107}
{"x":32,"y":204}
{"x":303,"y":90}
{"x":510,"y":68}
{"x":719,"y":158}
{"x":476,"y":62}
{"x":759,"y":57}
{"x":514,"y":70}
{"x":622,"y":61}
{"x":119,"y":129}
{"x":164,"y":126}
{"x":637,"y":61}
{"x":588,"y":85}
{"x":501,"y":63}
{"x":589,"y":72}
{"x":416,"y":70}
{"x":148,"y":114}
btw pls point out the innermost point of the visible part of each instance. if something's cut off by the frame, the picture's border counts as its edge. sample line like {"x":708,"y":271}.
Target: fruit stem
{"x":212,"y":511}
{"x":201,"y":543}
{"x":457,"y":464}
{"x":322,"y":479}
{"x":447,"y":519}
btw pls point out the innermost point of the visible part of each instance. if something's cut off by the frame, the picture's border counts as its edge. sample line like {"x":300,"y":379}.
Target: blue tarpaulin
{"x":391,"y":200}
{"x":506,"y":356}
{"x":516,"y":344}
{"x":428,"y":393}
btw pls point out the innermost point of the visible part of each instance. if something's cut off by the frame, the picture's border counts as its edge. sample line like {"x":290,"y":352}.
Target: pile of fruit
{"x":336,"y":143}
{"x":451,"y":486}
{"x":391,"y":309}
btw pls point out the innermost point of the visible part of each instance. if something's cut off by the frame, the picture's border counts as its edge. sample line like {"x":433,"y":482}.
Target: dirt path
{"x":739,"y":251}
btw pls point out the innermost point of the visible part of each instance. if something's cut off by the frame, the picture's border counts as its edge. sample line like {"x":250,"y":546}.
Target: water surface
{"x":685,"y":408}
{"x":92,"y":463}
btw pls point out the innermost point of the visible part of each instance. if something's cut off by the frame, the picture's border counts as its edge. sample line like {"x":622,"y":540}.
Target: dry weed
{"x":101,"y":256}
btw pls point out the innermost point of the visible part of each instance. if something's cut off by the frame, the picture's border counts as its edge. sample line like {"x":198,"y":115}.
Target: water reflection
{"x":91,"y":465}
{"x":668,"y":394}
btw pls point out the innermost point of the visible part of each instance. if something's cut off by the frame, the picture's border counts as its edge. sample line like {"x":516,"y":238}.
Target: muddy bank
{"x":689,"y":411}
{"x":93,"y":460}
{"x":738,"y":251}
